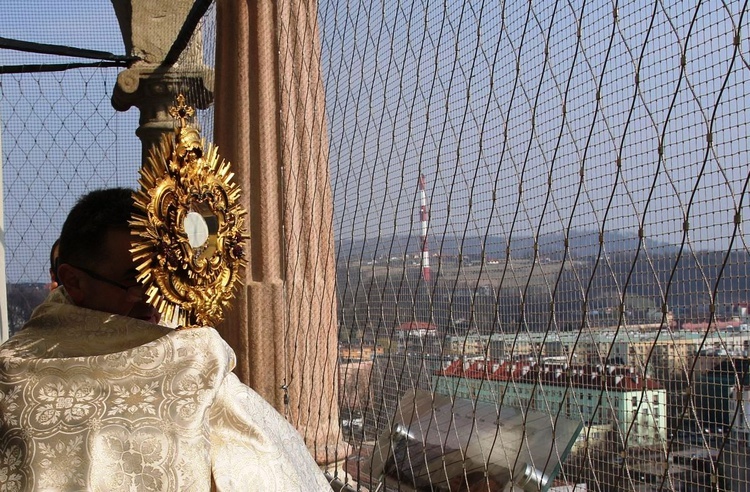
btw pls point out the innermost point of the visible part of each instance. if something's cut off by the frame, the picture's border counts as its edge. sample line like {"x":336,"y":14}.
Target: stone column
{"x":270,"y":123}
{"x":149,"y":29}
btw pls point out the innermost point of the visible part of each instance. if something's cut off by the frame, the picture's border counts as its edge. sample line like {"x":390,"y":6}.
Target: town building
{"x":611,"y":402}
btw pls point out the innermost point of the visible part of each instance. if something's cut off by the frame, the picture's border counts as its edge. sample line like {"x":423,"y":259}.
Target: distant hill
{"x":689,"y":282}
{"x":582,"y":244}
{"x":23,"y":298}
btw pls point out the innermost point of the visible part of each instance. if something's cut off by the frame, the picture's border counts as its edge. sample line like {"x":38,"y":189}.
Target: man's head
{"x":95,"y":263}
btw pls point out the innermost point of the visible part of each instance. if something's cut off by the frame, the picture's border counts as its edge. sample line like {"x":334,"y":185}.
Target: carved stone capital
{"x":153,"y":90}
{"x":149,"y":27}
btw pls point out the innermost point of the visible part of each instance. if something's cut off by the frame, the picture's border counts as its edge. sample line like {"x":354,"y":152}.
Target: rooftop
{"x":613,"y":378}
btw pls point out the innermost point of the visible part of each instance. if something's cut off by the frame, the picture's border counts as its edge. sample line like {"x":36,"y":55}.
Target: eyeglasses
{"x":134,"y":291}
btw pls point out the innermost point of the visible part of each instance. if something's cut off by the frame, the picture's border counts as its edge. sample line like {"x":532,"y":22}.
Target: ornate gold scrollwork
{"x":189,"y":227}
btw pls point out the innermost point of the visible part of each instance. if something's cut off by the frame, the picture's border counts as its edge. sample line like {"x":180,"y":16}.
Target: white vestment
{"x":94,"y":401}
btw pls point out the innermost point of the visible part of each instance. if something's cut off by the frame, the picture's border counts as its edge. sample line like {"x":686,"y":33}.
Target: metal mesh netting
{"x":574,"y":173}
{"x":585,"y":173}
{"x":61,"y":137}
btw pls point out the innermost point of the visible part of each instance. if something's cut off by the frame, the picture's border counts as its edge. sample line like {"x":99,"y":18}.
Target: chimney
{"x":424,"y":219}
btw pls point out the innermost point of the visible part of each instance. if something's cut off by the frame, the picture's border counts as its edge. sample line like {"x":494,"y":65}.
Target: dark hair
{"x":85,"y":229}
{"x":54,"y":260}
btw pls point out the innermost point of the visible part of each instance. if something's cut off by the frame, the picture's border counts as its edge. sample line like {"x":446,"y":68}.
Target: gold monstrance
{"x":188,"y":227}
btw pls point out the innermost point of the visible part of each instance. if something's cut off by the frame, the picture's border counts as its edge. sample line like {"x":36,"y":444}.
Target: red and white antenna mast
{"x":424,"y":217}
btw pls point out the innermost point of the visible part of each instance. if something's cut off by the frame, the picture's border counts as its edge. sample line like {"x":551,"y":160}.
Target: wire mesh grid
{"x":584,"y":177}
{"x":61,"y":136}
{"x":586,"y":173}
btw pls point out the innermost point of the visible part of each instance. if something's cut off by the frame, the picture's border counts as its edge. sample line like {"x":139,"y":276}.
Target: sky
{"x":61,"y":136}
{"x":496,"y":104}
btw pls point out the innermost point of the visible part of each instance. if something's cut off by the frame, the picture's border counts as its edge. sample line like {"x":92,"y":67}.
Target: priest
{"x":95,"y":394}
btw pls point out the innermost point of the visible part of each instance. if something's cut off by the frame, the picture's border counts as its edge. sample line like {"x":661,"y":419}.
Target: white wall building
{"x":605,"y":399}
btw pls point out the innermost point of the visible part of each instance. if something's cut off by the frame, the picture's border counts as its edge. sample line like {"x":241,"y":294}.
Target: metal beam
{"x":197,"y":11}
{"x":56,"y":67}
{"x":54,"y":49}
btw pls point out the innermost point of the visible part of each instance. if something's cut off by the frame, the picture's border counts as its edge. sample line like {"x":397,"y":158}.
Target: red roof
{"x":456,"y":368}
{"x":479,"y":370}
{"x":482,"y":369}
{"x":416,"y":325}
{"x":577,"y":376}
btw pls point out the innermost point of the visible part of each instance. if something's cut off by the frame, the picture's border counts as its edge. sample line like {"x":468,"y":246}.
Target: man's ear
{"x":70,"y":278}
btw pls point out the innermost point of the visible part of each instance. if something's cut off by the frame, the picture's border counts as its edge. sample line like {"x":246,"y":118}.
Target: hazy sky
{"x":464,"y":93}
{"x":60,"y":134}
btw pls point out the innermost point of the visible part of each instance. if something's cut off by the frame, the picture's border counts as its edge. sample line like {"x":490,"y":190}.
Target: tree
{"x":22,"y":300}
